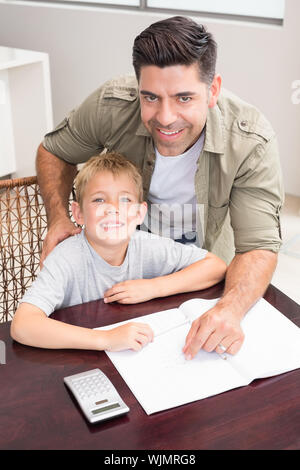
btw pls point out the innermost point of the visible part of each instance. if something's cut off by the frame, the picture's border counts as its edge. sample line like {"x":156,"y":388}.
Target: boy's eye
{"x":125,"y":199}
{"x":98,"y":199}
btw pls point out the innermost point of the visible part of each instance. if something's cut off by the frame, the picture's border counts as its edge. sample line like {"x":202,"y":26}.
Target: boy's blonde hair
{"x":113,"y":162}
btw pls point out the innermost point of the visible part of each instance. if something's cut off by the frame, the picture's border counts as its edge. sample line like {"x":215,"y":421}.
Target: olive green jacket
{"x":238,"y":181}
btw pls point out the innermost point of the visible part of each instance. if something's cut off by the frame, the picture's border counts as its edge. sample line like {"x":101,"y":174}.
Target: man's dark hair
{"x":176,"y":41}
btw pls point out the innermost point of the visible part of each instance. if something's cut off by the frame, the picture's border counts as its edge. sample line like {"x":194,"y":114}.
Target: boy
{"x":109,"y":259}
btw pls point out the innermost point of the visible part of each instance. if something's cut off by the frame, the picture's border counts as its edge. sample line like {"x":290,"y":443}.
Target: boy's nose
{"x":112,"y":210}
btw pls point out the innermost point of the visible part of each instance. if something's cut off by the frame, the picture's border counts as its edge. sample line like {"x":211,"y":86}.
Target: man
{"x":195,"y":146}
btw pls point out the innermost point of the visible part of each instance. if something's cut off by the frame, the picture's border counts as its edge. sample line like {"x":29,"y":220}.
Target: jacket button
{"x":244,"y":123}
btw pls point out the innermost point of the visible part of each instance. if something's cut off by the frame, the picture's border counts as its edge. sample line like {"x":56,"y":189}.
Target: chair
{"x":23,"y":226}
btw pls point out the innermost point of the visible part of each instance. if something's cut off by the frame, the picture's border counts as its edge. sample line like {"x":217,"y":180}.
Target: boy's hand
{"x":132,"y":292}
{"x":129,"y":336}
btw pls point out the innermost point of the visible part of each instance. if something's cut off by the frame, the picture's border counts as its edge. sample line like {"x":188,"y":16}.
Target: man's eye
{"x":125,"y":199}
{"x":151,"y":98}
{"x":184,"y":99}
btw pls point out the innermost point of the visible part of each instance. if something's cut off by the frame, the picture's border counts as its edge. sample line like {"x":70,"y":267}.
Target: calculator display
{"x":106,"y":408}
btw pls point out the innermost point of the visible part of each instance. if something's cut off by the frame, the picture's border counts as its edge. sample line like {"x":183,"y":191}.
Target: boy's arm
{"x":197,"y":276}
{"x":32,"y":327}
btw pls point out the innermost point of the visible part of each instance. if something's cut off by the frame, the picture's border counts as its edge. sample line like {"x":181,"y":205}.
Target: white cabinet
{"x":25,"y":109}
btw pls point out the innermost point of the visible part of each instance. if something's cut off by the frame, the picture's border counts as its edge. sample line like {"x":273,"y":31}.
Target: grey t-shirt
{"x":74,"y":273}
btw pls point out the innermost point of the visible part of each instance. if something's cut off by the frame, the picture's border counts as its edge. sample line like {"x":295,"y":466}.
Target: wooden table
{"x":38,"y":412}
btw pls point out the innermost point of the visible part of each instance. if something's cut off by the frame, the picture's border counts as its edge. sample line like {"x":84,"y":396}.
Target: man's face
{"x":174,"y":105}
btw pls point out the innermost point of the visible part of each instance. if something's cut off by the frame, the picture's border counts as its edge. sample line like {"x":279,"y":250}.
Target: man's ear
{"x":214,"y":91}
{"x":77,"y":214}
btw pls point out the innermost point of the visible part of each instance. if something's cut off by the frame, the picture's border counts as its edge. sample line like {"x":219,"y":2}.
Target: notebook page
{"x":160,"y":322}
{"x":271,"y":345}
{"x":161,"y":378}
{"x":272,"y":342}
{"x":194,"y":308}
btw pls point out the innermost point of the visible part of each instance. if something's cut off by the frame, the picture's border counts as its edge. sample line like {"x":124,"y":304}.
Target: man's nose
{"x":166,"y":115}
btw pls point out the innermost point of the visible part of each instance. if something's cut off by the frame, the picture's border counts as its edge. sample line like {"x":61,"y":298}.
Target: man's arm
{"x":247,"y":279}
{"x":55,"y":179}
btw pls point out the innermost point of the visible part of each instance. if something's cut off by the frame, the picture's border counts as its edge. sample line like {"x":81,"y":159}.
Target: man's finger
{"x":51,"y":241}
{"x":193,"y":330}
{"x":235,"y":346}
{"x":213,"y":341}
{"x":196,"y":340}
{"x":230,"y":344}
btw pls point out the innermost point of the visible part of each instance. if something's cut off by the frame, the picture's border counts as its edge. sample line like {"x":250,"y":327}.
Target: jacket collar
{"x":215,"y":131}
{"x":141,"y":130}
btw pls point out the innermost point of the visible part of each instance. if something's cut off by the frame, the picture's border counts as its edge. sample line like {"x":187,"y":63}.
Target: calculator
{"x":96,"y":395}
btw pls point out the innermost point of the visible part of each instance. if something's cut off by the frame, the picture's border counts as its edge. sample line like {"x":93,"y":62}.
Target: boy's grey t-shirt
{"x":74,"y":273}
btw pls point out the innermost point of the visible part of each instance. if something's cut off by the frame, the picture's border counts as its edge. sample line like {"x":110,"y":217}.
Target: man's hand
{"x":58,"y":232}
{"x":129,"y":336}
{"x":132,"y":291}
{"x":216,"y":326}
{"x":247,"y":279}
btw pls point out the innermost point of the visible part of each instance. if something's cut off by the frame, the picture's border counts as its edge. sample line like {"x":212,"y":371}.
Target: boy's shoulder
{"x":70,"y":249}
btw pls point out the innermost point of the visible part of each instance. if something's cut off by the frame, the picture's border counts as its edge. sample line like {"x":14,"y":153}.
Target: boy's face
{"x":110,"y":210}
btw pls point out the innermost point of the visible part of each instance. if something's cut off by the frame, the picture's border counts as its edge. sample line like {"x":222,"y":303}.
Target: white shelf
{"x":25,"y":108}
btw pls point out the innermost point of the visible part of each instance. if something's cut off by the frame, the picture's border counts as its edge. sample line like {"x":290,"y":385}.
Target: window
{"x":255,"y":8}
{"x":127,"y":3}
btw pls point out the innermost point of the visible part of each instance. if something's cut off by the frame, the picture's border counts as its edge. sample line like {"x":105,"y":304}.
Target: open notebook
{"x":160,"y":377}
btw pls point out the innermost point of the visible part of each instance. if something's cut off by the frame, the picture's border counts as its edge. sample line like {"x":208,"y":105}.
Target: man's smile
{"x":169,"y":134}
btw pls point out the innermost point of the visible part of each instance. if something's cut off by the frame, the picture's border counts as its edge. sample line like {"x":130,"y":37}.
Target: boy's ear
{"x":77,"y":214}
{"x":142,"y":212}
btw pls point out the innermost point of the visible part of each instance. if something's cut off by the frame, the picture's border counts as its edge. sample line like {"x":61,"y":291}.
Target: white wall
{"x":88,"y":46}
